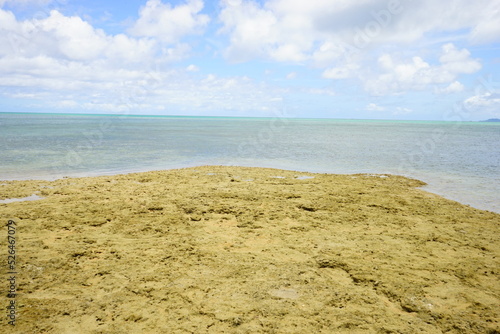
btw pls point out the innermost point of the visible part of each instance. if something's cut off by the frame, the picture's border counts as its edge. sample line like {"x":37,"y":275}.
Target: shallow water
{"x":459,"y":160}
{"x":24,"y":199}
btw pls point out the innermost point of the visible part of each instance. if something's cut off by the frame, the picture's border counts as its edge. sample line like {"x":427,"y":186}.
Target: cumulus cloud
{"x":251,"y":30}
{"x":458,"y":61}
{"x":169,"y":24}
{"x":75,"y":38}
{"x":340,"y":37}
{"x":68,"y":38}
{"x":398,"y":76}
{"x":66,"y":58}
{"x":322,"y":31}
{"x":486,"y":103}
{"x":66,"y":63}
{"x":60,"y":52}
{"x":454,"y":87}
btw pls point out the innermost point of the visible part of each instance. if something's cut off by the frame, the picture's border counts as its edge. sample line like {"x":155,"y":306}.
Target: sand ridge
{"x":219,"y":249}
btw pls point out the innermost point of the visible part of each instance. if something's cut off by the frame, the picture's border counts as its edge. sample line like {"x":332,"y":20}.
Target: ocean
{"x":458,"y":160}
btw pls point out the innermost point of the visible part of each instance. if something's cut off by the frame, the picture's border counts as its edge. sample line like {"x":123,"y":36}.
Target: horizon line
{"x":220,"y":116}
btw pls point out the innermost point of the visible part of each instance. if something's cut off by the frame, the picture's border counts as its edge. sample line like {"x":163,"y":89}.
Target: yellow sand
{"x":249,"y":250}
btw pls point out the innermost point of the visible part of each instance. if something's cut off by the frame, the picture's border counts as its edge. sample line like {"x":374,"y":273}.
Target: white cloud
{"x":65,"y":62}
{"x":71,"y":86}
{"x":487,"y":103}
{"x":71,"y":39}
{"x":63,"y":57}
{"x":76,"y":38}
{"x":340,"y":38}
{"x":374,"y":107}
{"x":341,"y":72}
{"x":454,"y":87}
{"x":402,"y":111}
{"x":251,"y":30}
{"x":65,"y":53}
{"x":170,"y":24}
{"x":394,"y":111}
{"x":399,"y":76}
{"x":458,"y":61}
{"x":322,"y":31}
{"x":192,"y":68}
{"x":25,"y":2}
{"x":125,"y":49}
{"x":487,"y":30}
{"x":46,"y":74}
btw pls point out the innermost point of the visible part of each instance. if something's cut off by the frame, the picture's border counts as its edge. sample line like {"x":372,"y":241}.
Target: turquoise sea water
{"x":459,"y":160}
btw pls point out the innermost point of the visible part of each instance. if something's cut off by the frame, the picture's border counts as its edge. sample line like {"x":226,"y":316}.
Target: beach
{"x":224,"y":249}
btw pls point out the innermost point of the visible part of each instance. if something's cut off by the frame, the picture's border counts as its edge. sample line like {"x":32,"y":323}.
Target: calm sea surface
{"x":459,"y":160}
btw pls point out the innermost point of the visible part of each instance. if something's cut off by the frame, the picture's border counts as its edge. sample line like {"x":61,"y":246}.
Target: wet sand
{"x":248,"y":250}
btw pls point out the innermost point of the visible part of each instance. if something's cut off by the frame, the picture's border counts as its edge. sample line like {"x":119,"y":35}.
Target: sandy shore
{"x":248,"y":250}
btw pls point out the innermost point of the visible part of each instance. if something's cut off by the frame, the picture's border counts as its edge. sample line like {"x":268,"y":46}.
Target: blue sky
{"x":359,"y":59}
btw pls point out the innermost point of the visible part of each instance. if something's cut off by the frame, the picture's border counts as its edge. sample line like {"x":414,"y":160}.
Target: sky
{"x":354,"y":59}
